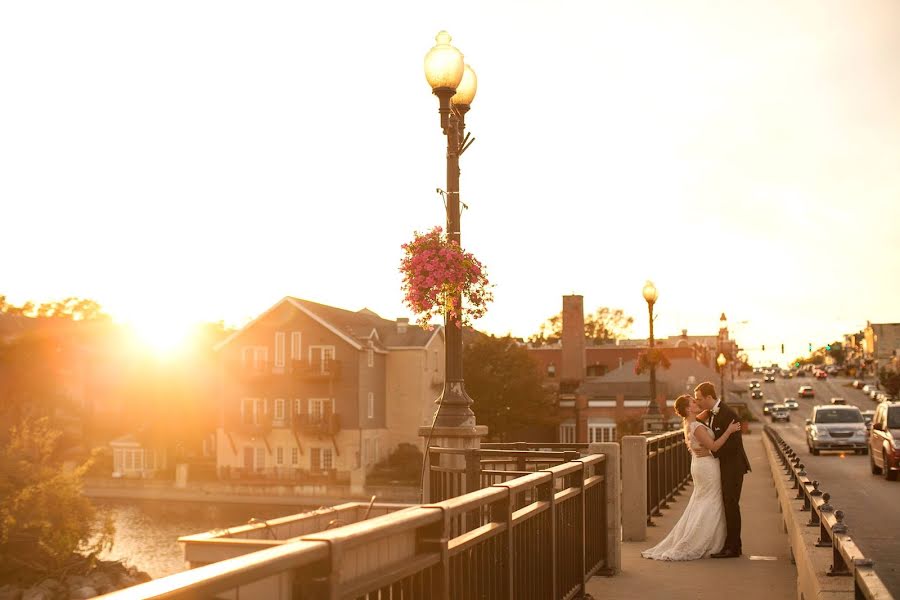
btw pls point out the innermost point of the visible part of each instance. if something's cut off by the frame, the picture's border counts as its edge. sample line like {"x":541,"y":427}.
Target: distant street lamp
{"x":721,"y":360}
{"x":650,"y":295}
{"x":454,"y":83}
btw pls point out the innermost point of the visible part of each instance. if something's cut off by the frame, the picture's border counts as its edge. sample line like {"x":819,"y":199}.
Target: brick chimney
{"x":573,"y":354}
{"x":402,"y":324}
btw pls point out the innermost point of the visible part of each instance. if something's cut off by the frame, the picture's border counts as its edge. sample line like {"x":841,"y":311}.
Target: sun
{"x":162,"y":336}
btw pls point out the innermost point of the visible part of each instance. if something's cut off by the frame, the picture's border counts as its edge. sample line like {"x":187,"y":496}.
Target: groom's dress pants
{"x":732,"y":482}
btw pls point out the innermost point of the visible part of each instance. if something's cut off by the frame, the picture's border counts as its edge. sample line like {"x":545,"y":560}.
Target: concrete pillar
{"x":181,"y":475}
{"x":449,"y":437}
{"x":634,"y":488}
{"x":613,"y":503}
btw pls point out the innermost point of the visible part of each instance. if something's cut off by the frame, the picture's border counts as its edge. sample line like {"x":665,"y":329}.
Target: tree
{"x":836,"y":351}
{"x":45,"y":521}
{"x":601,"y":326}
{"x":506,"y":384}
{"x":890,"y":381}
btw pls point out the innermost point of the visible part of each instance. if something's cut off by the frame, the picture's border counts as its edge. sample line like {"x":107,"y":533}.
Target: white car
{"x":868,"y":388}
{"x":836,"y":427}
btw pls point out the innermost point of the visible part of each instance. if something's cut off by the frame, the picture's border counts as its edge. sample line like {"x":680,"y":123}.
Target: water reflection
{"x":147,"y":530}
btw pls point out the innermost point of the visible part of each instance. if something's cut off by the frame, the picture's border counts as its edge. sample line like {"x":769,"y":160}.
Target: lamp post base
{"x":454,"y":406}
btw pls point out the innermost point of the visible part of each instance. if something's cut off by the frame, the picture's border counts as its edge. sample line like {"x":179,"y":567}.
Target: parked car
{"x":820,"y":374}
{"x":836,"y":428}
{"x":868,"y":388}
{"x":756,"y":394}
{"x":874,"y":393}
{"x":780,"y":412}
{"x":791,"y":403}
{"x":754,"y":383}
{"x":838,"y":401}
{"x":806,"y":391}
{"x":769,"y":378}
{"x":884,"y":441}
{"x":867,"y":419}
{"x":857,"y":384}
{"x":767,"y":406}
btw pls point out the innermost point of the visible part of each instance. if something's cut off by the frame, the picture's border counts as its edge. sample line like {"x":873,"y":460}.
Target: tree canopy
{"x":506,"y":384}
{"x":602,"y":326}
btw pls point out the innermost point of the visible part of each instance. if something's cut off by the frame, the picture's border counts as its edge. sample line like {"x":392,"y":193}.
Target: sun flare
{"x":162,"y":336}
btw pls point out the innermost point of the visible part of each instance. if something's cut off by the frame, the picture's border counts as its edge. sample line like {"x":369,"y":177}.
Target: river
{"x":147,"y":530}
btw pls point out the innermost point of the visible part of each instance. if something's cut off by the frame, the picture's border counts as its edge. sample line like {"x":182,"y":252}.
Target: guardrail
{"x":847,"y":559}
{"x":668,"y":470}
{"x":537,"y":536}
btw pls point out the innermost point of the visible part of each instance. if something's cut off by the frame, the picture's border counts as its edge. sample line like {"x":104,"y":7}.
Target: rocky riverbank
{"x":105,"y":577}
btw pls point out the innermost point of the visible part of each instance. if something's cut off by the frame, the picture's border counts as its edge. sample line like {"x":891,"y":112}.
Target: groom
{"x":733,"y":464}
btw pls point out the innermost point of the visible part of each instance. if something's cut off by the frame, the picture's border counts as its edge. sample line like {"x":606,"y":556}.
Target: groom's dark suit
{"x":733,"y":464}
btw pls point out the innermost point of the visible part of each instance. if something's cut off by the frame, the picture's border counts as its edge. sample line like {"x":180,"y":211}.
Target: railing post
{"x":634,"y":488}
{"x":612,"y":481}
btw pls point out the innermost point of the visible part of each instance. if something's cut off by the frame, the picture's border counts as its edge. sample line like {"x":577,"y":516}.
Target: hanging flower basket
{"x":436,"y":272}
{"x":651,"y":357}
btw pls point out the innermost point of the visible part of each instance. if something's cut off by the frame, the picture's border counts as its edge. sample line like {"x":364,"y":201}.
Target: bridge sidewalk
{"x":754,"y":575}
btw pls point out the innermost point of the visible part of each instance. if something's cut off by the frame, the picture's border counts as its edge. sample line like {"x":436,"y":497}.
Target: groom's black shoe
{"x":725,"y":553}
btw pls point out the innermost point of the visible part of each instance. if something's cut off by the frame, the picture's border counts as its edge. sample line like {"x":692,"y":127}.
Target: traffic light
{"x":763,"y":347}
{"x":797,"y":364}
{"x":828,"y":347}
{"x":810,"y":346}
{"x":782,"y":348}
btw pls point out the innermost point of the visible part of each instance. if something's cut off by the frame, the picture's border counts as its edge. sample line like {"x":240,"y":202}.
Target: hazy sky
{"x":189,"y":160}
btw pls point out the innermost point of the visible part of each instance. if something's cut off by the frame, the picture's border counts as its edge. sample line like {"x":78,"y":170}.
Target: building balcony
{"x":261,"y":425}
{"x":316,"y":370}
{"x":327,"y":424}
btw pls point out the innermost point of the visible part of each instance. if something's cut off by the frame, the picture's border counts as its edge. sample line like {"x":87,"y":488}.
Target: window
{"x":279,"y":349}
{"x":138,"y":459}
{"x":320,"y":357}
{"x":254,"y":357}
{"x":279,"y":456}
{"x":567,"y":432}
{"x":601,"y":431}
{"x":260,"y":459}
{"x":279,"y":409}
{"x":295,"y":456}
{"x":371,"y":405}
{"x":376,"y":452}
{"x":298,"y":406}
{"x":150,"y":459}
{"x":320,"y":459}
{"x":129,"y":460}
{"x":551,"y":370}
{"x":320,"y":408}
{"x":370,"y":357}
{"x":295,"y":345}
{"x":367,"y":451}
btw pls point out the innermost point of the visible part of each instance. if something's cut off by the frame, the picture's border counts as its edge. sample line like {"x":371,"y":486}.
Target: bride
{"x":701,"y":529}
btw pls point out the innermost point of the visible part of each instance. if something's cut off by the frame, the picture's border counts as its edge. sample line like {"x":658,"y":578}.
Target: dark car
{"x":756,"y":394}
{"x":884,"y":441}
{"x":754,"y":383}
{"x":767,"y":406}
{"x":770,"y":378}
{"x":780,"y":412}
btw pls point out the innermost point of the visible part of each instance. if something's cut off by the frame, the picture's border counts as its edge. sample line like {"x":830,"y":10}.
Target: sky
{"x":196,"y":161}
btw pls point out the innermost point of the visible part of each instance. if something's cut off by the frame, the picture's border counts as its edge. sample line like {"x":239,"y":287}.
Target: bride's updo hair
{"x":681,"y":405}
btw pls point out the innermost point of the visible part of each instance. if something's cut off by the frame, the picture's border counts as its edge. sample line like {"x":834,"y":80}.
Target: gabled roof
{"x":356,"y":328}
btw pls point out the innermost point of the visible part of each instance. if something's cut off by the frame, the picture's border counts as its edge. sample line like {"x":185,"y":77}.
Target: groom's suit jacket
{"x":731,"y":455}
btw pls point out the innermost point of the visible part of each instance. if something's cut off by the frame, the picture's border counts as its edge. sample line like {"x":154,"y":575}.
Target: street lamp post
{"x":454,"y":83}
{"x":721,"y":360}
{"x":650,"y":295}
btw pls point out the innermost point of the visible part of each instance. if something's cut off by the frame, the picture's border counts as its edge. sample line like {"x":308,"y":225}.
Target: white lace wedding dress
{"x":701,"y":529}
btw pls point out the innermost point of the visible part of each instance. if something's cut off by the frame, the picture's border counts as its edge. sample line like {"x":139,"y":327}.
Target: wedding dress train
{"x":701,"y":529}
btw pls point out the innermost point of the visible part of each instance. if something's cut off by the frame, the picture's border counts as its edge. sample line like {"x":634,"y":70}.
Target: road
{"x":871,"y":504}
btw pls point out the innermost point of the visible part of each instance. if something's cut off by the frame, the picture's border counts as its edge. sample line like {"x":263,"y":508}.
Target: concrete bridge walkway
{"x":764,"y":571}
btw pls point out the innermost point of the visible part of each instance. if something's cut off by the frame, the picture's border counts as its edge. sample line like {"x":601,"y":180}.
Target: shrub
{"x":403,"y":466}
